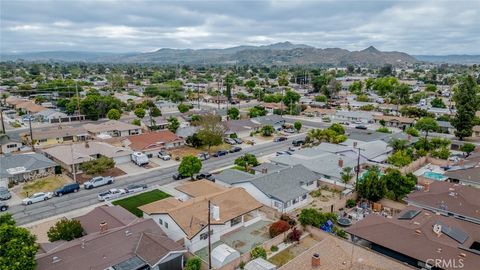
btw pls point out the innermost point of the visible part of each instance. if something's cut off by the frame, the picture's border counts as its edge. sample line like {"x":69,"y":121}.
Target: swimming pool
{"x":434,"y":176}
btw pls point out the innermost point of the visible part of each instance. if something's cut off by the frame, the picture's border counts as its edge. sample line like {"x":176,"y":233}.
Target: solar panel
{"x":409,"y":214}
{"x":454,"y":233}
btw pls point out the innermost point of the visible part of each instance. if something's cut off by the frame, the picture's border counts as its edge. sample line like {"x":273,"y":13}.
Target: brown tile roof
{"x":98,"y":251}
{"x":110,"y":126}
{"x":11,"y":100}
{"x":468,"y":174}
{"x":415,"y":238}
{"x":460,"y":199}
{"x":200,"y":188}
{"x":319,"y":110}
{"x":192,"y":215}
{"x":152,"y":140}
{"x":336,"y":253}
{"x":114,"y":216}
{"x":56,"y":132}
{"x":394,"y":119}
{"x":30,"y":107}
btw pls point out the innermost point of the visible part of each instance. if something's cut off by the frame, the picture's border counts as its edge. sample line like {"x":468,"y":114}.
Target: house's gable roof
{"x":152,"y":140}
{"x":24,"y":162}
{"x":469,"y":174}
{"x":110,"y":126}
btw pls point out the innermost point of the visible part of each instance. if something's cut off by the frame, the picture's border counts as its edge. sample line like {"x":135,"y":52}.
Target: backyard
{"x":46,"y":184}
{"x":292,"y":251}
{"x":132,"y":203}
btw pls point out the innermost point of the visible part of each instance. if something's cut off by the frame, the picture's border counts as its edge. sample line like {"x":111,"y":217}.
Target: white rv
{"x":139,"y":158}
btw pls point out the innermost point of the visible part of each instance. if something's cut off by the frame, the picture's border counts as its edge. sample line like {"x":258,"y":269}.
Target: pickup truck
{"x":164,"y":155}
{"x":111,"y":194}
{"x":98,"y":182}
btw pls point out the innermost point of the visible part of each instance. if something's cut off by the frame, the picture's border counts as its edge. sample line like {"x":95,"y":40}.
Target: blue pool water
{"x":434,"y":176}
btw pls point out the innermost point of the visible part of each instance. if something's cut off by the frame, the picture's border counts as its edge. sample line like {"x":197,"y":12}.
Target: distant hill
{"x":450,"y":59}
{"x":284,"y":53}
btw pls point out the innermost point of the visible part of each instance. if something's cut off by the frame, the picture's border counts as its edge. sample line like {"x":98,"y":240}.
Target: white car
{"x":37,"y":197}
{"x":111,"y":194}
{"x":135,"y":188}
{"x":163,"y":155}
{"x":98,"y":181}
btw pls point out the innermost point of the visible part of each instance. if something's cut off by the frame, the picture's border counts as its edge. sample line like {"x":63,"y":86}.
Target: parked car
{"x":37,"y":197}
{"x":358,"y":122}
{"x":179,"y":176}
{"x":3,"y":206}
{"x":235,"y":149}
{"x":230,"y":141}
{"x":289,"y":130}
{"x":280,"y":139}
{"x":298,"y":142}
{"x":98,"y":182}
{"x":68,"y":188}
{"x":207,"y":176}
{"x":135,"y":188}
{"x":111,"y":194}
{"x":5,"y":193}
{"x":139,"y":158}
{"x":281,"y":153}
{"x":164,"y":155}
{"x":238,"y":140}
{"x":203,"y":156}
{"x":220,"y":153}
{"x":361,"y":127}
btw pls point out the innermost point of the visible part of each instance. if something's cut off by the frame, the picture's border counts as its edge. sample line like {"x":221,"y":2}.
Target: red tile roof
{"x":152,"y":140}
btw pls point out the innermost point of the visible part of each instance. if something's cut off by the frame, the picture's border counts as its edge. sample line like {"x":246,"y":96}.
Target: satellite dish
{"x":437,"y":228}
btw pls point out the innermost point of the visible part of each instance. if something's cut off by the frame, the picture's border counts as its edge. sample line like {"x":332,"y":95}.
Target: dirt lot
{"x":46,"y":184}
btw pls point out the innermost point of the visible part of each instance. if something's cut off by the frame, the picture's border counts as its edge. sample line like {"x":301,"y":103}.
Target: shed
{"x":223,"y":254}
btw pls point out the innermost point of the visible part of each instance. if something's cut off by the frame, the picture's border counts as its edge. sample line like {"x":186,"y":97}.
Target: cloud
{"x":416,"y":27}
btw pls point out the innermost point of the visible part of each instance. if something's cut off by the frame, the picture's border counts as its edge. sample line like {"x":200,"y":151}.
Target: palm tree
{"x":346,"y":174}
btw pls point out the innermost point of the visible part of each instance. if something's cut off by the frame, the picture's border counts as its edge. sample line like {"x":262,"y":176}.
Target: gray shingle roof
{"x":270,"y":167}
{"x":29,"y":161}
{"x":231,"y":176}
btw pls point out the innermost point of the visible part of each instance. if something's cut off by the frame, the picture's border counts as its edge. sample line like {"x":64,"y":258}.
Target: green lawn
{"x":132,"y":203}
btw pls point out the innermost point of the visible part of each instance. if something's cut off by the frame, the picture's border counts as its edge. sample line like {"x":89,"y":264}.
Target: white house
{"x":187,"y":219}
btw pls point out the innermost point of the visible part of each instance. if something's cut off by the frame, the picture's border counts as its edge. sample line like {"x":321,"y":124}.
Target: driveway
{"x":164,"y":163}
{"x":131,"y":168}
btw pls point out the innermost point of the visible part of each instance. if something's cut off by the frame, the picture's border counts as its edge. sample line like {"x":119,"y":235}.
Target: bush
{"x":341,"y":233}
{"x":321,"y":98}
{"x":294,"y":235}
{"x":384,"y":130}
{"x":292,"y":222}
{"x":273,"y":248}
{"x":183,"y":108}
{"x":267,"y":130}
{"x":412,"y":132}
{"x":66,"y":230}
{"x":136,"y":122}
{"x":442,"y":153}
{"x":278,"y":228}
{"x":312,"y":216}
{"x":258,"y":252}
{"x":400,"y":158}
{"x":97,"y":166}
{"x":368,"y":107}
{"x":351,"y":203}
{"x":194,"y":263}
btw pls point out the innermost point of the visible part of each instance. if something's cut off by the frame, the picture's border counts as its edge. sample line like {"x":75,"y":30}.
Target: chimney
{"x":315,"y":260}
{"x":103,"y":227}
{"x":340,"y":163}
{"x":354,"y":144}
{"x":216,"y":212}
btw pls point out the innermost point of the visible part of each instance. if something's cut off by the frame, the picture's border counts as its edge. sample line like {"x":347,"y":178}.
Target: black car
{"x":5,"y":193}
{"x":361,"y":127}
{"x":238,"y":140}
{"x":179,"y":176}
{"x":235,"y":149}
{"x":298,"y":142}
{"x":3,"y":206}
{"x":280,"y":139}
{"x":68,"y":188}
{"x":207,"y":176}
{"x":220,"y":153}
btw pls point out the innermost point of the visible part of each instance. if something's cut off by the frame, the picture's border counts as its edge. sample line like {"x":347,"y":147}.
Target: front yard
{"x":46,"y":184}
{"x":132,"y":203}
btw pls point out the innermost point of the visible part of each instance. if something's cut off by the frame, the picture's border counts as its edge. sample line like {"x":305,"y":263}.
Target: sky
{"x":417,"y":27}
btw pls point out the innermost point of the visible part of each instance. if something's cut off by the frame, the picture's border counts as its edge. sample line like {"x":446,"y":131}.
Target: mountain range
{"x":284,"y":53}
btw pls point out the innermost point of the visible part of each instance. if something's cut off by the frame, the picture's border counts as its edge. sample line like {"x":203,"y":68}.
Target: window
{"x":166,"y":224}
{"x":160,"y":221}
{"x":278,"y":204}
{"x":235,"y":221}
{"x":204,"y":236}
{"x":304,"y":197}
{"x":11,"y":146}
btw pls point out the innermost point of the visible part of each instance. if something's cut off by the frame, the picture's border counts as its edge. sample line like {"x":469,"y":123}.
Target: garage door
{"x":121,"y":160}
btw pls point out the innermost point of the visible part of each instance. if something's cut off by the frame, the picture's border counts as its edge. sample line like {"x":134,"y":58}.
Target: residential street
{"x":59,"y":205}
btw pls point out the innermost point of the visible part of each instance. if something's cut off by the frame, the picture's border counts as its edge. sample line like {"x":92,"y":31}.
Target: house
{"x":242,"y":128}
{"x":76,"y":154}
{"x":465,"y":175}
{"x":58,"y":135}
{"x":446,"y":127}
{"x":318,"y":112}
{"x":476,"y":132}
{"x":115,"y":240}
{"x":166,"y":106}
{"x":29,"y":107}
{"x":284,"y":189}
{"x":24,"y":167}
{"x":272,"y":106}
{"x":394,"y":121}
{"x":13,"y":101}
{"x":186,"y":131}
{"x":152,"y":142}
{"x":186,"y":220}
{"x":113,"y":128}
{"x":274,"y":120}
{"x":354,"y":116}
{"x":331,"y":164}
{"x":335,"y":253}
{"x":454,"y":200}
{"x":8,"y":145}
{"x":155,"y":122}
{"x":421,"y":238}
{"x":50,"y":116}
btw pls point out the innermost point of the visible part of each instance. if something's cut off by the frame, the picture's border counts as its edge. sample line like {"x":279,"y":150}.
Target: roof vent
{"x":56,"y":259}
{"x":128,"y":233}
{"x":418,"y":232}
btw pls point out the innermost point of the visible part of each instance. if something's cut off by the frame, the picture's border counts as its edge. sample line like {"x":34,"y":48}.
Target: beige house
{"x":113,"y":128}
{"x":54,"y":136}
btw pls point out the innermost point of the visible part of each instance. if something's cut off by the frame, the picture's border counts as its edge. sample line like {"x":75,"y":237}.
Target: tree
{"x":194,"y":263}
{"x":346,"y":174}
{"x":183,"y":108}
{"x":257,"y":111}
{"x":17,"y":246}
{"x":339,"y":129}
{"x":320,"y":81}
{"x":212,"y":130}
{"x":371,"y":186}
{"x":438,"y":103}
{"x":386,"y":70}
{"x":155,"y":112}
{"x":189,"y":166}
{"x":173,"y":124}
{"x":194,"y":140}
{"x":430,"y":88}
{"x":278,"y":227}
{"x":246,"y":161}
{"x":397,"y":184}
{"x":267,"y":130}
{"x":136,"y":122}
{"x":258,"y":252}
{"x":229,"y":83}
{"x":427,"y":124}
{"x":66,"y":230}
{"x":412,"y":132}
{"x":312,"y":216}
{"x":283,"y":78}
{"x":400,"y":158}
{"x":466,"y":101}
{"x":398,"y":144}
{"x":290,"y":99}
{"x":468,"y":148}
{"x":250,"y":84}
{"x":297,"y":125}
{"x":113,"y":114}
{"x":97,"y":166}
{"x":139,"y":112}
{"x":233,"y":113}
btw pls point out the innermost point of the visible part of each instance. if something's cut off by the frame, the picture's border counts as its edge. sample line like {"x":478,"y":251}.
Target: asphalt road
{"x":60,"y":205}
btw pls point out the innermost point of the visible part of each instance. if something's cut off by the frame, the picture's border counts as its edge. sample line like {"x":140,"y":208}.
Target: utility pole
{"x":198,"y":95}
{"x":31,"y":132}
{"x":78,"y":97}
{"x":209,"y":237}
{"x":1,"y":119}
{"x":73,"y":164}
